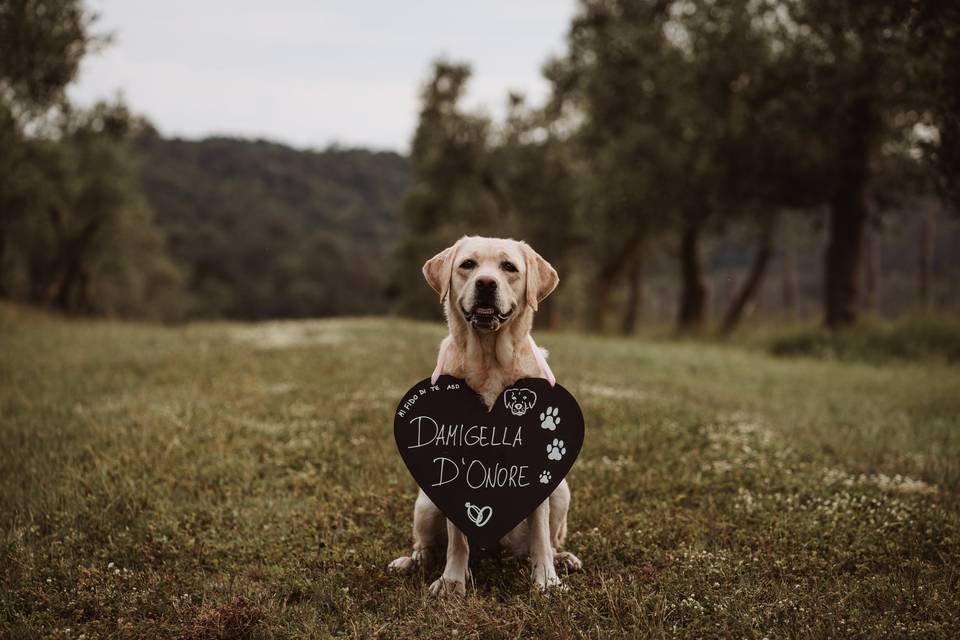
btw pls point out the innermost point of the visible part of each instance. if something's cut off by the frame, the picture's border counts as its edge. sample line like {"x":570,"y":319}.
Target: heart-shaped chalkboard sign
{"x":488,"y":470}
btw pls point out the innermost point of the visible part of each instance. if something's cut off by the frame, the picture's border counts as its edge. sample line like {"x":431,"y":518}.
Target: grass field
{"x":227,"y":480}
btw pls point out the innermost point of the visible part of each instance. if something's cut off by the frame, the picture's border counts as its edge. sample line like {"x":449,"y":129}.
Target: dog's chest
{"x":488,"y":377}
{"x":490,"y":393}
{"x":490,"y":386}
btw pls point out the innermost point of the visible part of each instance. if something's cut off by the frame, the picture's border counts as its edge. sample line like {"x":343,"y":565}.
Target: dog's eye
{"x":468,"y":264}
{"x":506,"y":265}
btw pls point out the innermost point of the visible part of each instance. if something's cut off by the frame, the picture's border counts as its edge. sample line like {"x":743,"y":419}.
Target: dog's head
{"x":487,"y":280}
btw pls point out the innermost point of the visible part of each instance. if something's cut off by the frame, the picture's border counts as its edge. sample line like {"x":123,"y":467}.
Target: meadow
{"x":227,"y":480}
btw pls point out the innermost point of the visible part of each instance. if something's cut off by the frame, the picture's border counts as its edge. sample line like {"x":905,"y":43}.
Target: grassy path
{"x":230,"y":480}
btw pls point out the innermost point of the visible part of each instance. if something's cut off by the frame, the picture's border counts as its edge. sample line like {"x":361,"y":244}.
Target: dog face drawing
{"x":519,"y":401}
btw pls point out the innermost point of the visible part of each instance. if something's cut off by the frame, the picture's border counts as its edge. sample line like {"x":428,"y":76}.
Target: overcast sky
{"x":309,"y":73}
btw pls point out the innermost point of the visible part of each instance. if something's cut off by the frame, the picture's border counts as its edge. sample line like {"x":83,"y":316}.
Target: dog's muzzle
{"x":486,"y":317}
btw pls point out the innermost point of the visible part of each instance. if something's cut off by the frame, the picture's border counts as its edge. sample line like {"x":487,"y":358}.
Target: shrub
{"x":911,"y":338}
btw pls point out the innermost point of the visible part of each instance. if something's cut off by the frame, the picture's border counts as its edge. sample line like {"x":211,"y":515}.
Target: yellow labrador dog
{"x":490,"y":288}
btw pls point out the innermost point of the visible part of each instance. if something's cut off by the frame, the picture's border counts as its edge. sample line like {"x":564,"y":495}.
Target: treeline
{"x":670,"y":121}
{"x":687,"y":150}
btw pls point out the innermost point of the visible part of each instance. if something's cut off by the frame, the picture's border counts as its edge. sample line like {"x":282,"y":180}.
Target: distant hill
{"x":262,"y":230}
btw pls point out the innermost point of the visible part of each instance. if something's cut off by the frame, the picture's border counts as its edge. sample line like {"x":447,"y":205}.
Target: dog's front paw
{"x":446,"y":587}
{"x":401,"y":564}
{"x":545,"y":577}
{"x":568,"y":561}
{"x":405,"y":563}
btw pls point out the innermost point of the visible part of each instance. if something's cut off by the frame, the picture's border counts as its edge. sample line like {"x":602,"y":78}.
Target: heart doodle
{"x":488,"y":470}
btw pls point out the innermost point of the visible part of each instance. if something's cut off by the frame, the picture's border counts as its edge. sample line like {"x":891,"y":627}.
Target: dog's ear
{"x":438,"y":270}
{"x":542,"y":278}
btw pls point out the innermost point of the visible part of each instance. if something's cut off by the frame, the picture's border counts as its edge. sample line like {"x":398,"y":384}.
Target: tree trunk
{"x":601,"y":300}
{"x":925,"y":260}
{"x":789,"y":265}
{"x":70,"y":296}
{"x":602,"y":287}
{"x":603,"y":283}
{"x":68,"y":269}
{"x":3,"y":262}
{"x":693,"y":294}
{"x":848,"y":216}
{"x":761,"y":259}
{"x":628,"y":324}
{"x":871,"y":269}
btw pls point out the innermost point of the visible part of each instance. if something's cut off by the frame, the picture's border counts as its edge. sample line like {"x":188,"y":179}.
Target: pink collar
{"x":545,"y":369}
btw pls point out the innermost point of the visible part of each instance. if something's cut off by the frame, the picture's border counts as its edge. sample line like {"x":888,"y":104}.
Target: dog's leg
{"x":456,"y":571}
{"x":559,"y":505}
{"x":541,"y":549}
{"x":427,"y":526}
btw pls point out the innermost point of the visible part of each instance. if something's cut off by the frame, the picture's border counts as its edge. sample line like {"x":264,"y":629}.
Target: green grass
{"x":227,"y":480}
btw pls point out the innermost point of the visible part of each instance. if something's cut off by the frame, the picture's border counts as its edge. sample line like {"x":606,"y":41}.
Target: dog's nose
{"x":486,"y":285}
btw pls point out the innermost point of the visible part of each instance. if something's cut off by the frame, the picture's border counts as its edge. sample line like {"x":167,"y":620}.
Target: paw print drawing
{"x":550,"y":419}
{"x":556,"y":451}
{"x":544,"y":477}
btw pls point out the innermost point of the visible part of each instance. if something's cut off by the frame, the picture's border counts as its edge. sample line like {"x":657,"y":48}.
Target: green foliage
{"x":681,"y":108}
{"x":467,"y":179}
{"x":263,"y":230}
{"x":75,"y":233}
{"x":78,"y":234}
{"x":935,"y":37}
{"x":452,"y":190}
{"x":614,"y":87}
{"x":685,"y":117}
{"x":538,"y":176}
{"x":240,"y":480}
{"x":915,"y":337}
{"x":41,"y":44}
